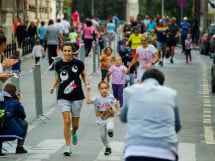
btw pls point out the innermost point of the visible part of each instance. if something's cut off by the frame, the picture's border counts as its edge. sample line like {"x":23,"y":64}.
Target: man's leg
{"x":172,"y":54}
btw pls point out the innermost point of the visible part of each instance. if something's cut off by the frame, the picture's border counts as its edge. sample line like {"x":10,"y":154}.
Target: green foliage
{"x":171,"y":8}
{"x":104,"y":8}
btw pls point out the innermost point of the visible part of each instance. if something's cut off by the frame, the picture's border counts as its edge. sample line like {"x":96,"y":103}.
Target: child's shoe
{"x":107,"y":151}
{"x":110,"y":133}
{"x":21,"y":150}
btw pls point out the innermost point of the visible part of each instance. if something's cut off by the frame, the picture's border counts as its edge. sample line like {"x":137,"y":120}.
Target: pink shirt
{"x":75,"y":16}
{"x":88,"y":32}
{"x":146,"y":55}
{"x":118,"y":74}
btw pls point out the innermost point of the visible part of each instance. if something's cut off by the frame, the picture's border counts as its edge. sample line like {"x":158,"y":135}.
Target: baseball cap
{"x":185,"y":18}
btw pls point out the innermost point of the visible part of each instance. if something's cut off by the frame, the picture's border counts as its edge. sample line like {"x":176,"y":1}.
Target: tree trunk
{"x":149,"y":7}
{"x":74,"y":5}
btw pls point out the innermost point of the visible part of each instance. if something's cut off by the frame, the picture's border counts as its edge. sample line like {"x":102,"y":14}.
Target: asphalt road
{"x":196,"y":102}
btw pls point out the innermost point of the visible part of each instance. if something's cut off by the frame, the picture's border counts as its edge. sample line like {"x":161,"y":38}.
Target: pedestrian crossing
{"x":48,"y":147}
{"x":187,"y":152}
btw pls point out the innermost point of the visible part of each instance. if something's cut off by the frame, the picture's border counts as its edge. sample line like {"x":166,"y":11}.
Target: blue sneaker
{"x":74,"y":139}
{"x":67,"y":151}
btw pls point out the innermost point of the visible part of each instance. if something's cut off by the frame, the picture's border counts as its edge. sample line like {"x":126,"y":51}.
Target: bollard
{"x":16,"y":81}
{"x":94,"y":57}
{"x":98,"y":55}
{"x":82,"y":52}
{"x":38,"y":90}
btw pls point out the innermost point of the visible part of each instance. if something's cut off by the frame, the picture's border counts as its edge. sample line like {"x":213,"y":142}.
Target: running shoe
{"x":110,"y":133}
{"x":74,"y":139}
{"x":161,"y":63}
{"x":171,"y":61}
{"x":107,"y":151}
{"x":67,"y":151}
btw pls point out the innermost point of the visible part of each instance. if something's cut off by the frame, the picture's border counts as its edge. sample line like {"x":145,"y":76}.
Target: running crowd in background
{"x":163,"y":32}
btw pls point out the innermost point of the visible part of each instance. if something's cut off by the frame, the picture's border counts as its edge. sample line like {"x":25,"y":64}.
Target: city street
{"x":45,"y":141}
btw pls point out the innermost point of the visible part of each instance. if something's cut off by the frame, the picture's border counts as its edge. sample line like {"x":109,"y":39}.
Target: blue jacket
{"x":14,"y":129}
{"x":151,"y":113}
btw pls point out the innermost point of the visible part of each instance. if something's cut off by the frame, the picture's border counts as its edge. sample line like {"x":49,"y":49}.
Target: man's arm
{"x":4,"y":77}
{"x":8,"y":63}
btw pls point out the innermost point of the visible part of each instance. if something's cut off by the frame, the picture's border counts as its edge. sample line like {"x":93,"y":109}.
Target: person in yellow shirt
{"x":135,"y":40}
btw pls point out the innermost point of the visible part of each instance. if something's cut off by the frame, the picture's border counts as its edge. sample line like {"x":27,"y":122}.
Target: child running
{"x":37,"y":52}
{"x":188,"y":48}
{"x":104,"y":103}
{"x":118,"y":72}
{"x":105,"y":60}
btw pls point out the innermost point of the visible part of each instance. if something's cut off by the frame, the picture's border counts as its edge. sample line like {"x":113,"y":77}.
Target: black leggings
{"x":88,"y":45}
{"x":188,"y":54}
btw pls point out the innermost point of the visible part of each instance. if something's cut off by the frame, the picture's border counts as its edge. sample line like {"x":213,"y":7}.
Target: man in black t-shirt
{"x":173,"y":30}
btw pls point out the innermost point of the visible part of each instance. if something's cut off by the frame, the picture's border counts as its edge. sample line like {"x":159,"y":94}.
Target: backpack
{"x":4,"y":114}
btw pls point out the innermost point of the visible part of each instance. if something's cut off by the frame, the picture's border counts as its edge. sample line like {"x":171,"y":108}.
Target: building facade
{"x":27,"y":10}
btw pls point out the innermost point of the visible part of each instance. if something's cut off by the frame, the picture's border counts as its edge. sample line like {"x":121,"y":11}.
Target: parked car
{"x":206,"y":39}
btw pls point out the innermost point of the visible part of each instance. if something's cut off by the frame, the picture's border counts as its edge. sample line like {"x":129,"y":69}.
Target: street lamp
{"x":162,"y":8}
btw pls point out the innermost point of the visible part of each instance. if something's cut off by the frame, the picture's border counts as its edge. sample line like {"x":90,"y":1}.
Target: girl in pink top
{"x":188,"y":48}
{"x":118,"y":72}
{"x":88,"y":36}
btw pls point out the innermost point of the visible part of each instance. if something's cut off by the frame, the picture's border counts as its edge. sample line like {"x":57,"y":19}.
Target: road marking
{"x":46,"y":148}
{"x":117,"y":152}
{"x":187,"y":152}
{"x":207,"y":115}
{"x":41,"y":151}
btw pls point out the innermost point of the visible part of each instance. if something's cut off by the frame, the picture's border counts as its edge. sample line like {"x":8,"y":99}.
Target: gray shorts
{"x":161,"y":45}
{"x":71,"y":106}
